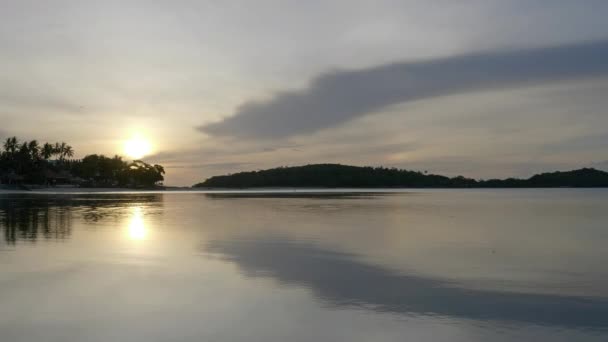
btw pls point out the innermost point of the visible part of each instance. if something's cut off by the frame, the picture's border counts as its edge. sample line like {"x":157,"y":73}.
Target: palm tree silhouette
{"x":68,"y":151}
{"x":34,"y":149}
{"x":11,"y":144}
{"x":48,"y":150}
{"x":64,"y":150}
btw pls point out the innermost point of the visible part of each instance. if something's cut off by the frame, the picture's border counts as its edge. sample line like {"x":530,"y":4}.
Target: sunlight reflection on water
{"x":137,"y":228}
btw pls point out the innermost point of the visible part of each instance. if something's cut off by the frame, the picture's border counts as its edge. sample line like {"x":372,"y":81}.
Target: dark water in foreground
{"x":444,"y":265}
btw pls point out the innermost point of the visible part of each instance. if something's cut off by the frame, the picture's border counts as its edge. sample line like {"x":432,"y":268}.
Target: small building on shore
{"x":63,"y":177}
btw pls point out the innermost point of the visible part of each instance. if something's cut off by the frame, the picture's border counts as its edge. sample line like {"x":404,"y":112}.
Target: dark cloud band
{"x":340,"y":96}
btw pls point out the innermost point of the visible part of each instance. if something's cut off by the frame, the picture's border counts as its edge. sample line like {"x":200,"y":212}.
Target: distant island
{"x":28,"y":164}
{"x":345,"y":176}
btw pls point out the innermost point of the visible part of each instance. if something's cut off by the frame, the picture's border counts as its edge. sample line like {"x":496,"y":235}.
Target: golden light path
{"x":137,"y":228}
{"x":137,"y":147}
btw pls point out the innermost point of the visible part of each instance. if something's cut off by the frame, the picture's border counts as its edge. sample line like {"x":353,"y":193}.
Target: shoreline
{"x":84,"y":191}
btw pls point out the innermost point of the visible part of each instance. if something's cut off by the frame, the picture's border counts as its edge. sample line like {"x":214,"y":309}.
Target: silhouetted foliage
{"x":99,"y":170}
{"x":50,"y":164}
{"x":344,"y":176}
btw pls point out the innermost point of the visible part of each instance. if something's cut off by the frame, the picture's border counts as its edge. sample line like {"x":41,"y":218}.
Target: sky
{"x":481,"y":88}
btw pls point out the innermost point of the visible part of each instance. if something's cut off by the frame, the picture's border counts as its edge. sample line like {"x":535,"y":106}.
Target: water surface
{"x":440,"y":265}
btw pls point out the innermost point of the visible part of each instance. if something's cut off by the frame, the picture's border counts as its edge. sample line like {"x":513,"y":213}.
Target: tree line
{"x":32,"y":163}
{"x":345,"y":176}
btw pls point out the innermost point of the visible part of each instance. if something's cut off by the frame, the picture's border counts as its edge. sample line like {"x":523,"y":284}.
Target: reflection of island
{"x":345,"y":176}
{"x":31,"y":217}
{"x":300,"y":195}
{"x":341,"y":280}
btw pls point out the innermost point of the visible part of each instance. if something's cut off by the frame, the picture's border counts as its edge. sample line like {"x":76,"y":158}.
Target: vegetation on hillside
{"x":339,"y":176}
{"x":30,"y":162}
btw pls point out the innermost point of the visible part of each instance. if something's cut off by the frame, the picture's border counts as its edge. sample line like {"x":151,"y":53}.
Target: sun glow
{"x":137,"y":147}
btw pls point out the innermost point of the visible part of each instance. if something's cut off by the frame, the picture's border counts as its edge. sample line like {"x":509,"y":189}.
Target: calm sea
{"x":441,"y":265}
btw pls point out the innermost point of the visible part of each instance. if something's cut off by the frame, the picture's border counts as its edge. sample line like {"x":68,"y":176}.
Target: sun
{"x":137,"y":147}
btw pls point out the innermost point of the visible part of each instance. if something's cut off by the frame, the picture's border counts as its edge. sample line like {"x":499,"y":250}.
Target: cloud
{"x":340,"y":96}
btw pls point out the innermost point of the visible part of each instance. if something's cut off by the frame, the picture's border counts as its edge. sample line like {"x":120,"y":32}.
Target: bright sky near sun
{"x":219,"y":87}
{"x":137,"y":147}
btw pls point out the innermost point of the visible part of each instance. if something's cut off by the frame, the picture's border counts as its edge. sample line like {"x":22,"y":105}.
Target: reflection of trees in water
{"x":31,"y":222}
{"x":30,"y":217}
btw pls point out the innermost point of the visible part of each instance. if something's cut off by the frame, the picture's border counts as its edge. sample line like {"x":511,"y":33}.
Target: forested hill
{"x":344,"y":176}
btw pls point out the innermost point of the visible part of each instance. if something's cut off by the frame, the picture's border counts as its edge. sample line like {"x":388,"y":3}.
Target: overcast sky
{"x":480,"y":88}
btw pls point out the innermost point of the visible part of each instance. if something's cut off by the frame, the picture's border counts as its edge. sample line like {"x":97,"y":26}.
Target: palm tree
{"x":63,"y":150}
{"x":23,"y":158}
{"x":57,"y":149}
{"x":34,"y":149}
{"x":11,"y":144}
{"x":68,"y":151}
{"x":24,"y":149}
{"x":47,"y":151}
